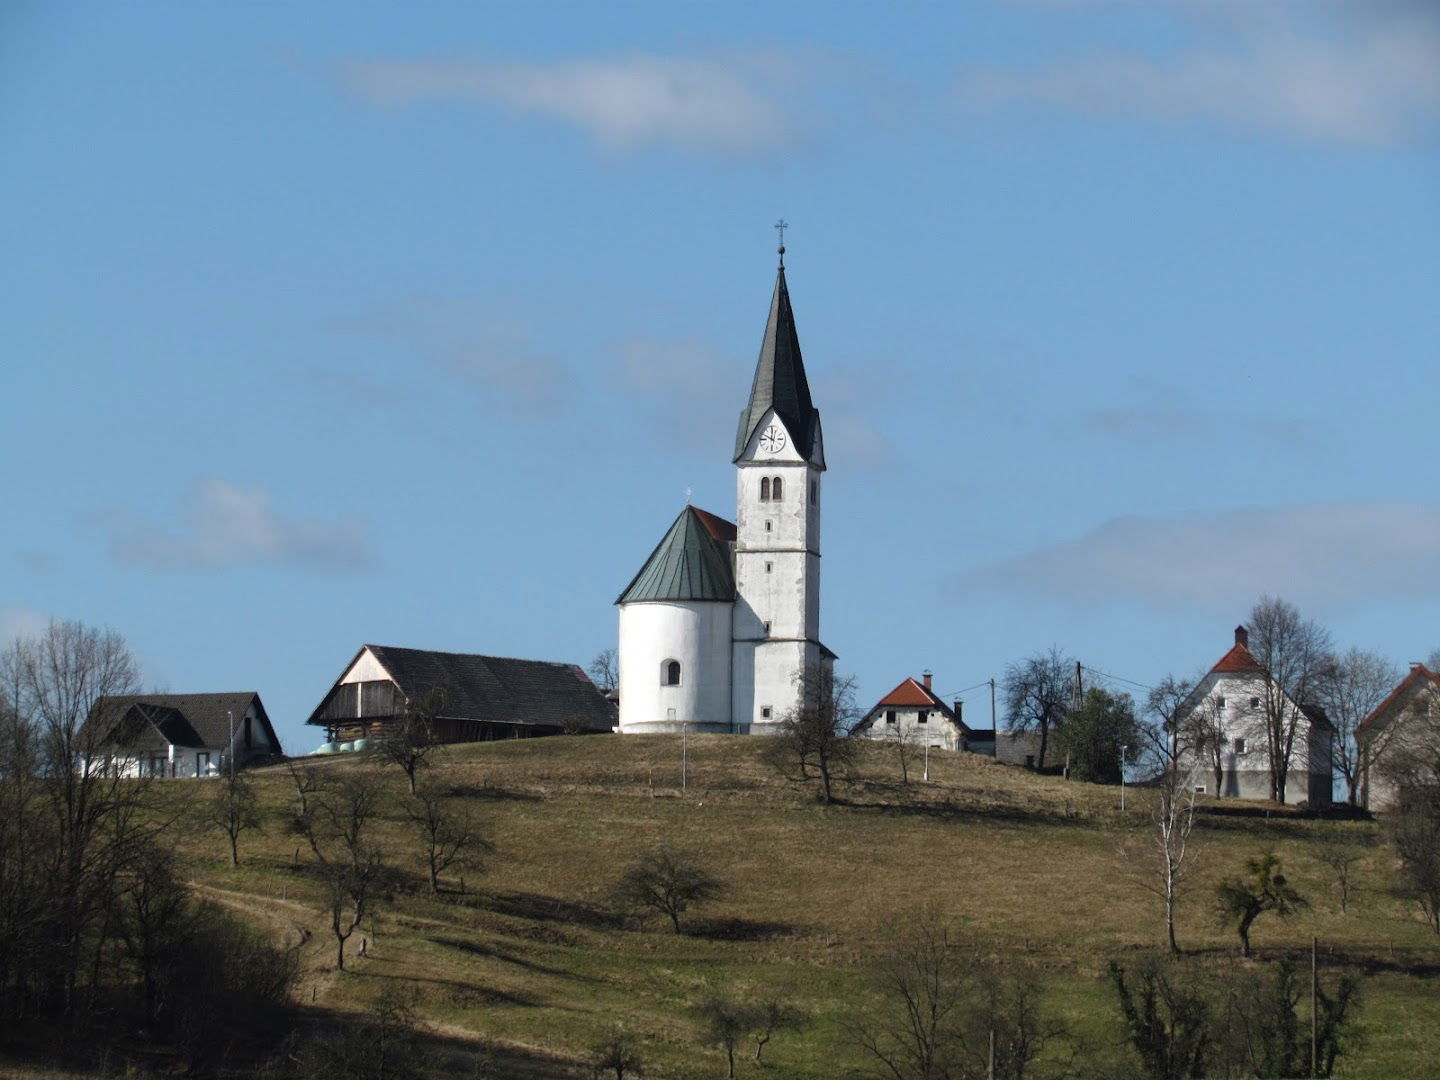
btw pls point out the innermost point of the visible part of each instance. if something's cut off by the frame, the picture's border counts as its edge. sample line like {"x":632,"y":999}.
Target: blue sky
{"x":414,"y":324}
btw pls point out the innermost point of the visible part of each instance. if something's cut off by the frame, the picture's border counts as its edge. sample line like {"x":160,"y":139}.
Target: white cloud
{"x":623,"y":102}
{"x":1325,"y":555}
{"x":16,"y":622}
{"x":1362,"y":82}
{"x":221,"y":526}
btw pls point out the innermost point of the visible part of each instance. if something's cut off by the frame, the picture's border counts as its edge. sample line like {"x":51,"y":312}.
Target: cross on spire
{"x":780,"y":227}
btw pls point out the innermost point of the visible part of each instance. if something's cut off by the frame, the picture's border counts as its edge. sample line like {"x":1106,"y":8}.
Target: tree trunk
{"x":675,"y":920}
{"x":1244,"y":931}
{"x":234,"y":850}
{"x":1044,"y":742}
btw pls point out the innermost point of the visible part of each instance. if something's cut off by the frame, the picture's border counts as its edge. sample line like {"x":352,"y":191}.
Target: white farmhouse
{"x":1402,"y":732}
{"x":723,"y":618}
{"x":914,"y":714}
{"x":1230,"y":702}
{"x":180,"y":735}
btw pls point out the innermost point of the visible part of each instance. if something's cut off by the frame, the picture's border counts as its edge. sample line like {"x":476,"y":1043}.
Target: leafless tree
{"x":1205,"y":731}
{"x":907,"y":744}
{"x":351,"y":868}
{"x":234,"y":809}
{"x":1164,"y":709}
{"x":813,"y":742}
{"x":411,"y":741}
{"x":942,"y":1006}
{"x":1038,"y":694}
{"x":669,"y":882}
{"x":447,"y":831}
{"x":1339,"y":857}
{"x":1295,"y":655}
{"x":1351,"y":687}
{"x":770,"y":1016}
{"x":726,"y":1020}
{"x":1415,"y":832}
{"x":616,"y":1054}
{"x":72,"y":823}
{"x":1167,"y":855}
{"x":604,"y":670}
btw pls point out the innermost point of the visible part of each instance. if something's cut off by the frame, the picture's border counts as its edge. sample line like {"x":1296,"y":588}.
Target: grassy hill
{"x":531,"y":965}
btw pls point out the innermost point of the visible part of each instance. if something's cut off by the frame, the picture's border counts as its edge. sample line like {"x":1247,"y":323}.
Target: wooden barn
{"x":473,"y":698}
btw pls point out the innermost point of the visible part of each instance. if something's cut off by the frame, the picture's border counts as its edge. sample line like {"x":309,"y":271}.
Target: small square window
{"x":670,"y":715}
{"x":1199,"y":789}
{"x":889,"y":716}
{"x":765,"y":711}
{"x":1254,"y":703}
{"x":923,"y":718}
{"x":1219,"y":702}
{"x":1239,"y":746}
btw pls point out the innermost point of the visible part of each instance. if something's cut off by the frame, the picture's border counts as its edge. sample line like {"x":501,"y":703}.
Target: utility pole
{"x":230,"y":750}
{"x":684,"y":753}
{"x":1123,"y":749}
{"x":992,"y":705}
{"x":990,"y":1070}
{"x":1314,"y":1006}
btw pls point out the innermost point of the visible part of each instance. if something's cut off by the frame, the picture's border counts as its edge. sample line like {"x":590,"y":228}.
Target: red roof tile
{"x":910,"y":694}
{"x":1238,"y":659}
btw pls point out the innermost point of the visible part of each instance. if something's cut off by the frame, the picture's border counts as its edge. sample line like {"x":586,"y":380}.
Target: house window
{"x":158,"y":764}
{"x":1219,"y":702}
{"x":670,"y":716}
{"x":767,"y":626}
{"x":202,"y":764}
{"x":769,"y":526}
{"x":1254,"y":703}
{"x":1239,"y":746}
{"x":765,"y":712}
{"x":764,"y":489}
{"x":776,"y":486}
{"x":769,"y":566}
{"x":814,"y":492}
{"x":670,"y":673}
{"x":1199,"y":789}
{"x":889,"y":716}
{"x":923,"y":718}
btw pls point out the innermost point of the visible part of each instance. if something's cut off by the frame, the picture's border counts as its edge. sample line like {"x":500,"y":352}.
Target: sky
{"x":417,"y":324}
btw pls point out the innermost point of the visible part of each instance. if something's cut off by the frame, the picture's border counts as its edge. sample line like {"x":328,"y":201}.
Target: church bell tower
{"x":779,"y":461}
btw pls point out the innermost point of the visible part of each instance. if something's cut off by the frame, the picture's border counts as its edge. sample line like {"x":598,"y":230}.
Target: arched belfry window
{"x":776,"y":486}
{"x":670,"y":673}
{"x":764,"y":489}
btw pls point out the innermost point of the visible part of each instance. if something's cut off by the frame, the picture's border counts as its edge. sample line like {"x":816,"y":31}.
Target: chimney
{"x":1242,"y":636}
{"x":959,"y":710}
{"x":927,"y":676}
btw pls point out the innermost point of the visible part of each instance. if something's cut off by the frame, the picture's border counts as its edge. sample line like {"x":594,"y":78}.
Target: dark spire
{"x":780,"y":377}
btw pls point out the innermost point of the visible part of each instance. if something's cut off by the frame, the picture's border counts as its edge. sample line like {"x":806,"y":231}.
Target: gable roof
{"x":912,"y":695}
{"x":691,"y":562}
{"x":496,"y":689}
{"x":1418,"y":676}
{"x":1238,"y":660}
{"x":780,"y":382}
{"x":190,"y":720}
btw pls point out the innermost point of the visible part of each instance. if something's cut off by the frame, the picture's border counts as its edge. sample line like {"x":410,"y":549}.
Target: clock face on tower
{"x":772,"y":439}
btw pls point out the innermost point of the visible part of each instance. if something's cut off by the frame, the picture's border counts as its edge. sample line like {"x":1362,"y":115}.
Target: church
{"x":722,"y":619}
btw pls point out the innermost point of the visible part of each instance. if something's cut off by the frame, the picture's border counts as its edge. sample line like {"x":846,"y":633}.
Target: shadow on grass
{"x":949,"y":810}
{"x":536,"y":906}
{"x":736,"y":929}
{"x":496,"y":794}
{"x":495,"y":952}
{"x":457,"y":990}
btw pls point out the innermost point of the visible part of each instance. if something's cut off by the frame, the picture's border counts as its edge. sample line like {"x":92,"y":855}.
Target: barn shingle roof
{"x":497,"y":689}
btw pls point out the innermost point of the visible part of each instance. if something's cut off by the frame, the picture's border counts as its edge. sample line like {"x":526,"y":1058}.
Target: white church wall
{"x":697,"y":634}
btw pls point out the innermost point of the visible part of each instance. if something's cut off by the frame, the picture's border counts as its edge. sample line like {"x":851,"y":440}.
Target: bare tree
{"x":1164,"y":709}
{"x":1294,"y":653}
{"x":411,"y":741}
{"x":813,"y":742}
{"x":604,"y":670}
{"x":1415,"y":832}
{"x":616,"y":1054}
{"x":448,"y":832}
{"x":351,"y":868}
{"x":235,"y":808}
{"x":1351,"y":687}
{"x":1339,"y":857}
{"x":1038,"y":693}
{"x":771,"y":1016}
{"x":905,"y":740}
{"x":669,"y":882}
{"x":726,"y":1021}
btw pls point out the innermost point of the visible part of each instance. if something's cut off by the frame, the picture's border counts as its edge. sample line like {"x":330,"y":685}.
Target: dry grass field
{"x":531,"y":965}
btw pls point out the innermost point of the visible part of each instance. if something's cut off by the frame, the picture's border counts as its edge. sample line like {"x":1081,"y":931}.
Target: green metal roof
{"x":692,"y":562}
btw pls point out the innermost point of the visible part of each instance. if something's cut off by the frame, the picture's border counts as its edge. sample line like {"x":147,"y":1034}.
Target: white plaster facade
{"x":1233,"y":693}
{"x":743,"y":642}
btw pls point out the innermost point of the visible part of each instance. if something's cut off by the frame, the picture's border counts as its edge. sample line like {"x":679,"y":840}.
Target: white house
{"x":1230,"y":702}
{"x":723,"y":618}
{"x":914,"y":714}
{"x":181,"y":735}
{"x":1404,"y":729}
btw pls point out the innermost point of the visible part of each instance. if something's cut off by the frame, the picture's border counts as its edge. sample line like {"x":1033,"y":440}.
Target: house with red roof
{"x":1225,"y":721}
{"x":1404,"y":730}
{"x":914,"y":713}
